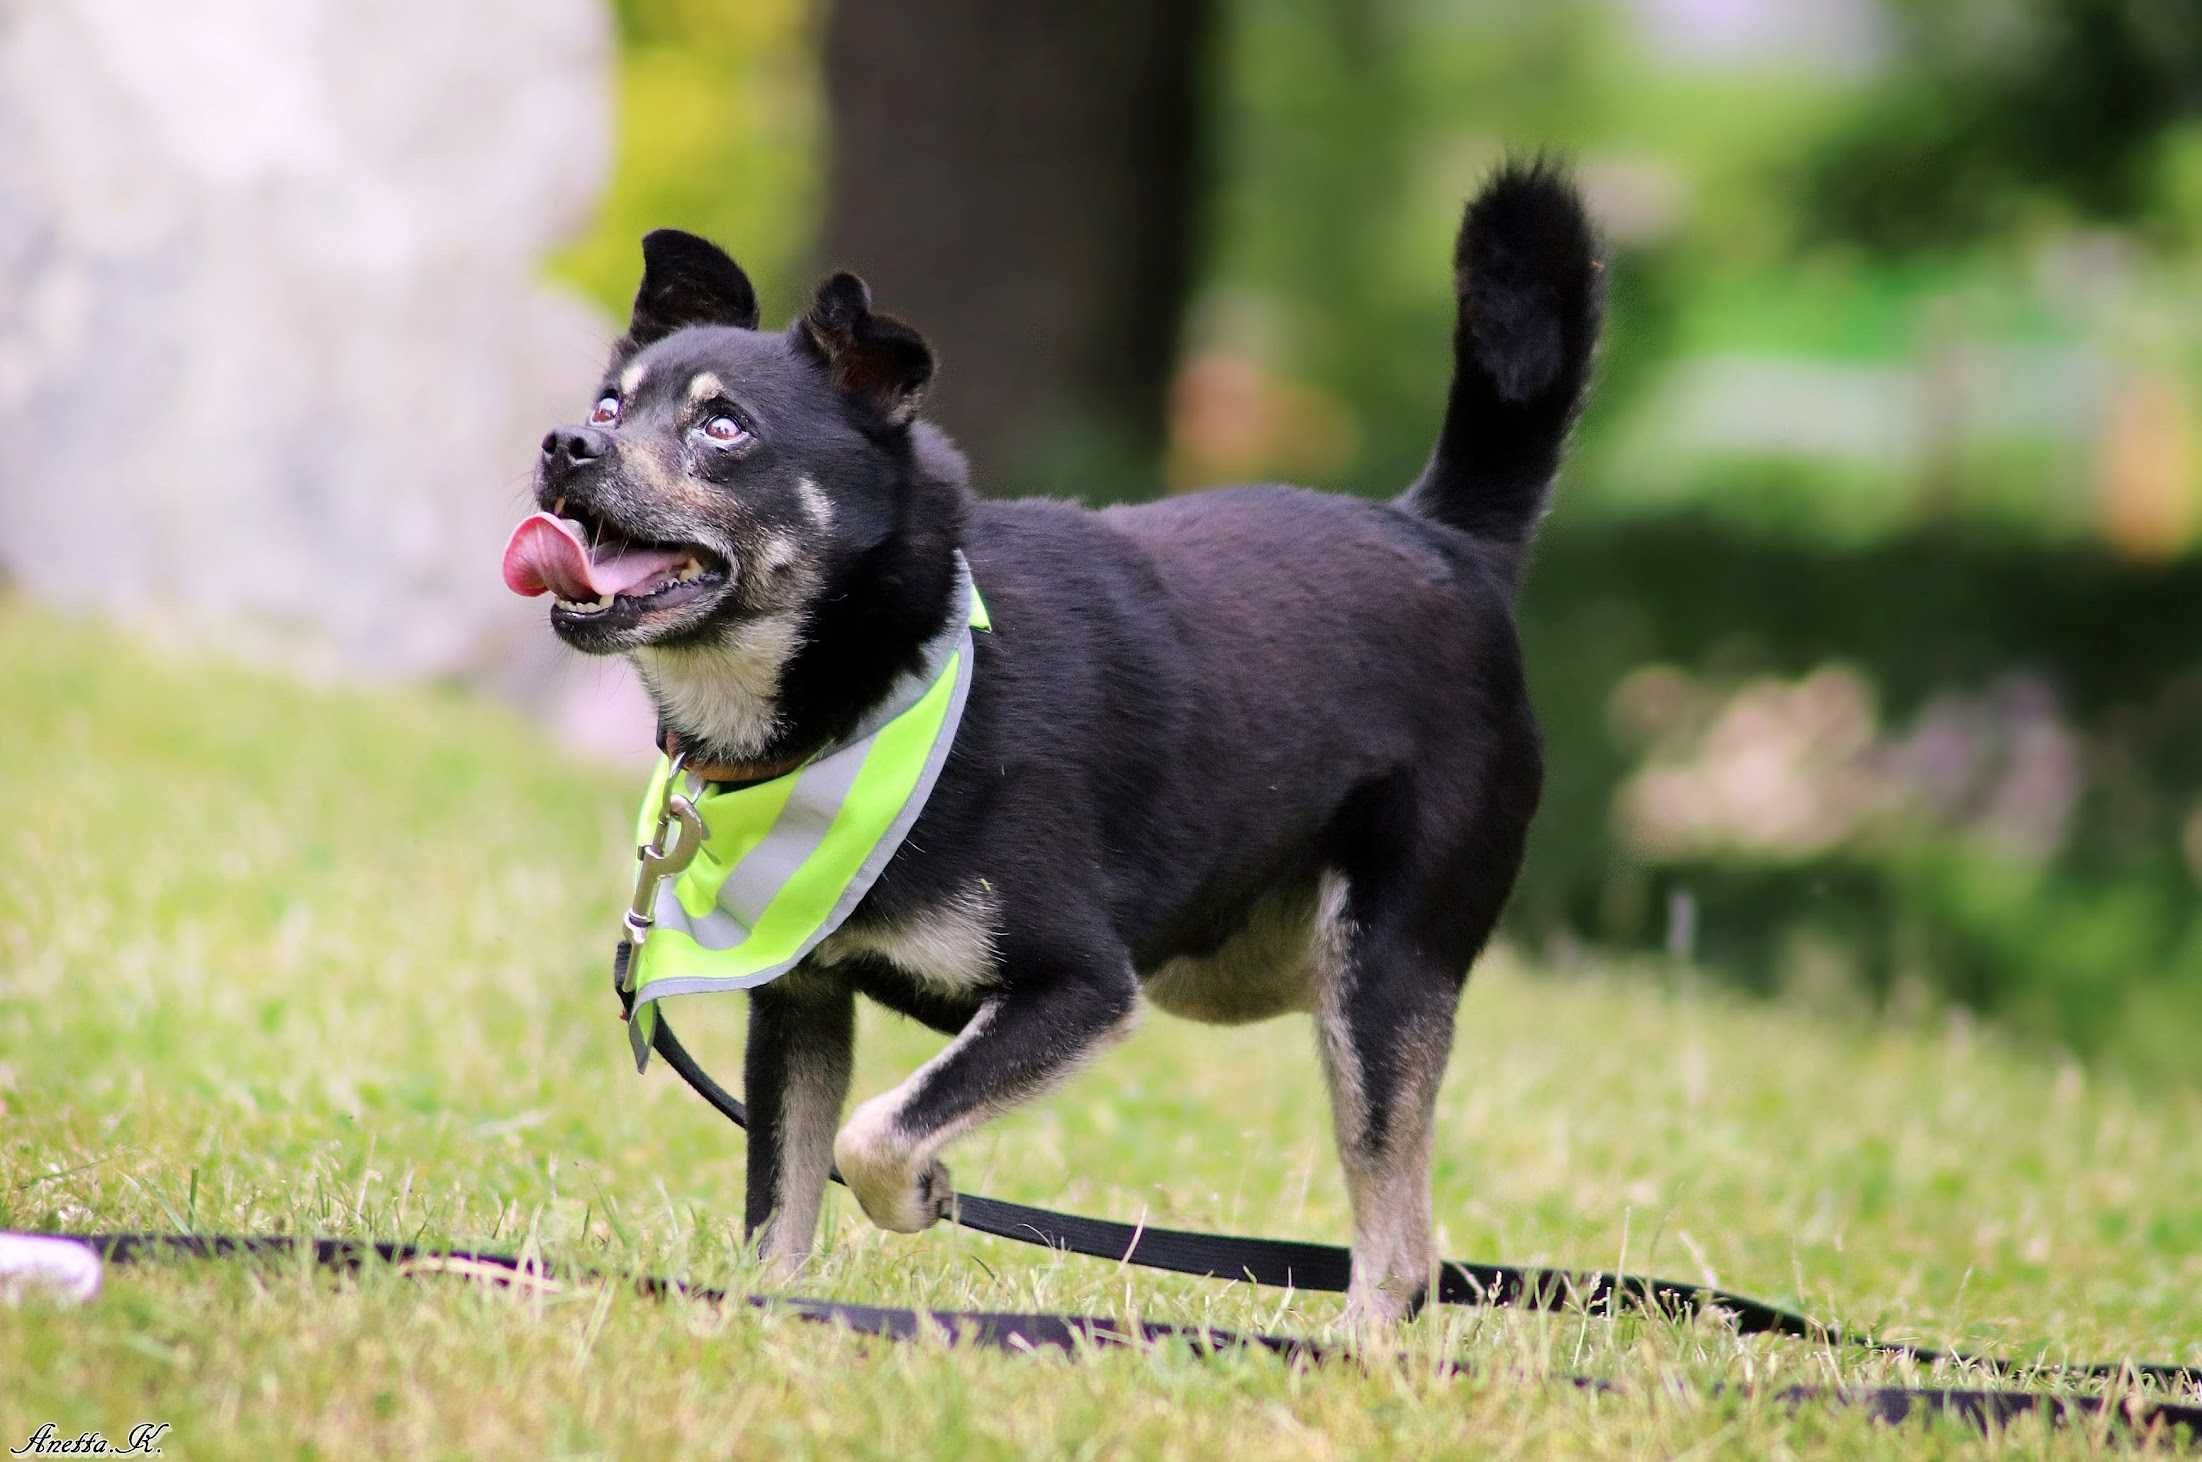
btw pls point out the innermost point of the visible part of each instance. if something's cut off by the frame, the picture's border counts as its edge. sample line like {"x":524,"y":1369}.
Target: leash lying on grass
{"x":1293,"y":1264}
{"x":2137,"y":1414}
{"x":1326,"y":1267}
{"x":1281,"y":1262}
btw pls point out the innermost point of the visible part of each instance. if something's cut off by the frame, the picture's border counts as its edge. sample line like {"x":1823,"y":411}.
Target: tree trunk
{"x":1017,"y":180}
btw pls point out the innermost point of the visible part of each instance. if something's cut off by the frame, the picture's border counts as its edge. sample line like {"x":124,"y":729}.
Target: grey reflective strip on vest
{"x":753,"y":883}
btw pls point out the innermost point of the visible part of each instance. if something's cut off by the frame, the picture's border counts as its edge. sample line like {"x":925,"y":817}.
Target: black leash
{"x":1279,"y":1262}
{"x":2136,"y":1415}
{"x":1291,"y":1263}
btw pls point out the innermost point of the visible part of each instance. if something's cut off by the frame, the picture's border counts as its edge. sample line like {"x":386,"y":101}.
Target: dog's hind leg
{"x":1384,"y":1024}
{"x":1421,"y":872}
{"x":1020,"y":1044}
{"x":795,"y":1075}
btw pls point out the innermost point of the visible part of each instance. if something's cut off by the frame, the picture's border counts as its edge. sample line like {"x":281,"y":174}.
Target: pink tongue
{"x":547,"y":554}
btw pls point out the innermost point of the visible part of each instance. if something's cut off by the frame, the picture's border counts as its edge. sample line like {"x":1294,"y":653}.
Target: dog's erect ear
{"x":687,"y":281}
{"x":879,"y":361}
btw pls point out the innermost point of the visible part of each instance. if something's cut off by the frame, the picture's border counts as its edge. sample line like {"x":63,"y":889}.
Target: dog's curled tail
{"x":1531,"y":291}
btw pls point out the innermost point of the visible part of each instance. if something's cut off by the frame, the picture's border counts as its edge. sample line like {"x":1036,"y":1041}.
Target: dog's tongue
{"x":551,"y":555}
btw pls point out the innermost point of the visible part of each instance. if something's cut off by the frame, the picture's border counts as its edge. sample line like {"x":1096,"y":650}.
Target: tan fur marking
{"x":777,"y":551}
{"x":726,"y":693}
{"x":1267,"y":968}
{"x":810,"y":1109}
{"x":948,"y":948}
{"x":703,"y":386}
{"x":882,"y":1162}
{"x":630,"y":379}
{"x":1388,"y":1186}
{"x":663,"y":478}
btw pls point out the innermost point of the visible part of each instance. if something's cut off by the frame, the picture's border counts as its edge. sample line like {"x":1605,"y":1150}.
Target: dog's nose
{"x":570,"y":446}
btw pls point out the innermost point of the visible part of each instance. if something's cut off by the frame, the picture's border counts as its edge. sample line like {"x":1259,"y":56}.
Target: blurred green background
{"x":1865,"y":631}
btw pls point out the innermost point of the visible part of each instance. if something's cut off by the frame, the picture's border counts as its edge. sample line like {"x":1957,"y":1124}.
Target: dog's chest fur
{"x":948,"y":946}
{"x":1274,"y":963}
{"x":725,"y":695}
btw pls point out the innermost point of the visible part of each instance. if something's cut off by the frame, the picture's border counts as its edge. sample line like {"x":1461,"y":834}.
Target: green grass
{"x":275,"y":959}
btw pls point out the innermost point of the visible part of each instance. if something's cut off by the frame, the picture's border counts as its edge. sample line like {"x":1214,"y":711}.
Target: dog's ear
{"x":687,"y":281}
{"x":875,"y":359}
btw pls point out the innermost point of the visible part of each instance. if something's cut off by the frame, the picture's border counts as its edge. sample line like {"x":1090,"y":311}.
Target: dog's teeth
{"x":688,"y":570}
{"x":604,"y":601}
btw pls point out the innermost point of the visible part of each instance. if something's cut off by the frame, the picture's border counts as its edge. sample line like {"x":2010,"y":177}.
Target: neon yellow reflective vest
{"x":784,"y":862}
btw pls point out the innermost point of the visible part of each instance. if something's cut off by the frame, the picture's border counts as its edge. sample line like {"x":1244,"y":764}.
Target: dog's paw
{"x":784,"y":1252}
{"x":896,"y":1190}
{"x":935,"y":1195}
{"x":907,"y":1204}
{"x":1382,"y":1306}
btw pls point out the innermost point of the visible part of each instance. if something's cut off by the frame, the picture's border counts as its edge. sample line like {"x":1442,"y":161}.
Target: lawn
{"x":285,"y":960}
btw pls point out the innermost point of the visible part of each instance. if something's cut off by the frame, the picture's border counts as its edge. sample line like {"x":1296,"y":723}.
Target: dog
{"x":1232,"y":754}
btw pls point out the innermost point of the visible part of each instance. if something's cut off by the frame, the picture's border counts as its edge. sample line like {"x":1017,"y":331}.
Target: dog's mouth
{"x":597,"y":575}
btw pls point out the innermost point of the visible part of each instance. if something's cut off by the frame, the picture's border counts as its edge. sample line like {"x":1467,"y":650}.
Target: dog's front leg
{"x":795,"y":1075}
{"x":1018,"y":1045}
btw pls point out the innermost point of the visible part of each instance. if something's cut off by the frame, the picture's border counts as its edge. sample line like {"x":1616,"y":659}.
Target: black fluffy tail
{"x":1530,"y":284}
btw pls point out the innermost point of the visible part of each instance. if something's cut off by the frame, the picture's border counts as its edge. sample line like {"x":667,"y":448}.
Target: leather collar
{"x":729,"y":771}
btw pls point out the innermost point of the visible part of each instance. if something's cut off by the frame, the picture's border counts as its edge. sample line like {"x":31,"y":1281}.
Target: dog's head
{"x":721,"y":473}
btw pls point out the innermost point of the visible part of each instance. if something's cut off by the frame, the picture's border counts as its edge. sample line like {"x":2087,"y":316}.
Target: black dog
{"x":1242,"y":752}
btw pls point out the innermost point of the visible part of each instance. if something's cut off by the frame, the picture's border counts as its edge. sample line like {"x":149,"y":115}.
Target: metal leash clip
{"x":660,"y":859}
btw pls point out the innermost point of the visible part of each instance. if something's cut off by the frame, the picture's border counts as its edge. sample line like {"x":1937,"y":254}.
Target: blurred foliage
{"x":1903,"y":386}
{"x":720,"y":133}
{"x":2000,"y":113}
{"x":2093,"y":940}
{"x":1810,"y":448}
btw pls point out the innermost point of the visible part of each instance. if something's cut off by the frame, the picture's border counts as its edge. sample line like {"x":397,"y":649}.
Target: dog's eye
{"x":606,"y":411}
{"x":723,"y":428}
